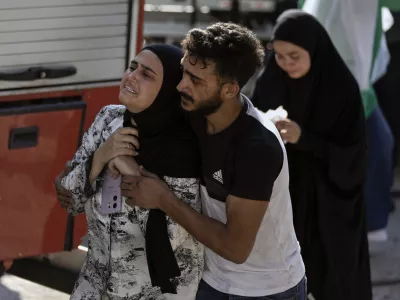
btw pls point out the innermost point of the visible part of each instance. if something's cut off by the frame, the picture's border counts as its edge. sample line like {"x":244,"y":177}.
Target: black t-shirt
{"x":243,"y":160}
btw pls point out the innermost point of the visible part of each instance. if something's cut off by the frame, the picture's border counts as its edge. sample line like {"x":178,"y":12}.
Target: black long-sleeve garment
{"x":328,"y":164}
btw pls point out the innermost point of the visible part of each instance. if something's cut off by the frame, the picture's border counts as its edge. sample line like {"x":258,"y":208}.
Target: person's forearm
{"x":96,"y":168}
{"x":128,"y":166}
{"x":210,"y":232}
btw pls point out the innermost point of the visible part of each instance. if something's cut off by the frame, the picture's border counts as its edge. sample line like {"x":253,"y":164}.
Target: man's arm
{"x":256,"y":169}
{"x":233,"y":240}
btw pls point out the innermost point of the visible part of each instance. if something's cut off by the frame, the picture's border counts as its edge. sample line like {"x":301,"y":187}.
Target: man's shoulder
{"x":257,"y":137}
{"x":260,"y":149}
{"x":258,"y":146}
{"x":257,"y":163}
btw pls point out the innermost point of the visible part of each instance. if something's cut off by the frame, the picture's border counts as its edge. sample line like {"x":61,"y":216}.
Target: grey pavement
{"x":15,"y":288}
{"x":385,"y":259}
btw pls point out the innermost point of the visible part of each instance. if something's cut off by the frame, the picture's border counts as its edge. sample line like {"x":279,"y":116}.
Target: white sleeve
{"x":77,"y":181}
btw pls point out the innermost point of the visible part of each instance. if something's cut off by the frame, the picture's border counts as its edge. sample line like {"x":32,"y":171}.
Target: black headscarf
{"x":168,"y":147}
{"x":327,"y":165}
{"x":322,"y":88}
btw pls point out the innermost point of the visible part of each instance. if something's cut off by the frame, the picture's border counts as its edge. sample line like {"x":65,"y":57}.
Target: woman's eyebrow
{"x":144,"y":67}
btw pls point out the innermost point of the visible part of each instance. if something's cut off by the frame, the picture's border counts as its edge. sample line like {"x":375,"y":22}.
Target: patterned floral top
{"x":116,"y":263}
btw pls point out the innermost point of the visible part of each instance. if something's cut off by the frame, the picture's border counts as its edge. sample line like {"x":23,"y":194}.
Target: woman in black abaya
{"x":326,"y":146}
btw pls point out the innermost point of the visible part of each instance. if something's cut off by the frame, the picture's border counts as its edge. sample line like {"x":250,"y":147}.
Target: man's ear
{"x":230,"y":90}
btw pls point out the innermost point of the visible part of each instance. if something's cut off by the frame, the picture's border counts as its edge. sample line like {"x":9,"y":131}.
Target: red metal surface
{"x":31,"y":220}
{"x":43,"y":95}
{"x":139,"y":41}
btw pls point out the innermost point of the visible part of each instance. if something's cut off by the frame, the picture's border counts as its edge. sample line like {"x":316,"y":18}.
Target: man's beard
{"x":205,"y":107}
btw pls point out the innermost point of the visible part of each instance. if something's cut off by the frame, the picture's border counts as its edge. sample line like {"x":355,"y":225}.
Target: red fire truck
{"x":60,"y":62}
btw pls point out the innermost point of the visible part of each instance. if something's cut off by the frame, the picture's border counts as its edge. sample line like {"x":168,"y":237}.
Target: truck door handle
{"x":25,"y":137}
{"x":34,"y":73}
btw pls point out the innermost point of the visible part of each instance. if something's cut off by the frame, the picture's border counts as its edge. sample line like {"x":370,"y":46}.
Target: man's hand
{"x":232,"y":241}
{"x":146,"y":191}
{"x":63,"y":196}
{"x":289,"y":130}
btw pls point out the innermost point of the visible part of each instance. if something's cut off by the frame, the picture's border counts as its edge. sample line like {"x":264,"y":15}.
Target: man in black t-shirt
{"x":250,"y":252}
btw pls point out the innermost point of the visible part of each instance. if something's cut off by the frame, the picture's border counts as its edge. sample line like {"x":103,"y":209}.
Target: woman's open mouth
{"x":129,"y":89}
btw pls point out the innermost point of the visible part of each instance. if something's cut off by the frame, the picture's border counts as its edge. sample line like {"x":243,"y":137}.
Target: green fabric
{"x":300,"y":3}
{"x":369,"y":97}
{"x":391,"y":4}
{"x":370,"y":101}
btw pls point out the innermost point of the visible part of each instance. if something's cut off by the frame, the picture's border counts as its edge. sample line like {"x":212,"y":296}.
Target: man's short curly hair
{"x":235,"y":50}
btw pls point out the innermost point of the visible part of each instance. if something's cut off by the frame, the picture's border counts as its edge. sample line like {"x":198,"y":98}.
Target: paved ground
{"x":385,"y":264}
{"x":15,"y":288}
{"x":385,"y":260}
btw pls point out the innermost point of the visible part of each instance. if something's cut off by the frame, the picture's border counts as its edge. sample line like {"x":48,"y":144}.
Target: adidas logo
{"x":218,"y":176}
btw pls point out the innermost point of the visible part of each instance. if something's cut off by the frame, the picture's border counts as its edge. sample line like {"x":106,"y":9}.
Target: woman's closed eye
{"x":144,"y":73}
{"x":278,"y":56}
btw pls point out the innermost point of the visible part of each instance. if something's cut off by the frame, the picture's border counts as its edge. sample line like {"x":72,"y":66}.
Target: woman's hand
{"x":123,"y":165}
{"x":289,"y":130}
{"x":123,"y":142}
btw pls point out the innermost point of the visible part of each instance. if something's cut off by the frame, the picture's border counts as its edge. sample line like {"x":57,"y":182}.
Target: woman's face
{"x":292,"y":59}
{"x":142,"y":81}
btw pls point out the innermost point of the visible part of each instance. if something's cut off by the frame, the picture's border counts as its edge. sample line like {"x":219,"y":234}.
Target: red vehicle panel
{"x":31,"y":220}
